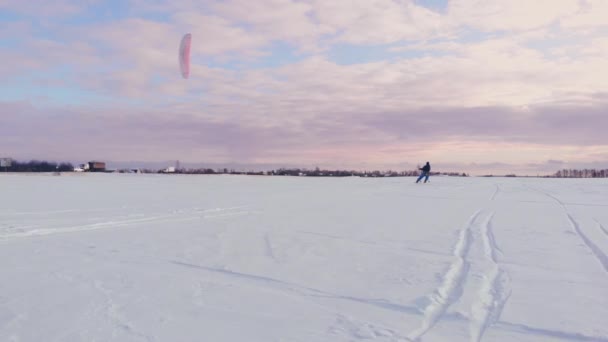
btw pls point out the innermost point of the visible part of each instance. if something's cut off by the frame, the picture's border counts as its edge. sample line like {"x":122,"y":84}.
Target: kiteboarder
{"x":426,"y":170}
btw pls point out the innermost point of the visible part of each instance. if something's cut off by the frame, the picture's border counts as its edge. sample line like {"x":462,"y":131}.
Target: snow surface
{"x":109,"y":257}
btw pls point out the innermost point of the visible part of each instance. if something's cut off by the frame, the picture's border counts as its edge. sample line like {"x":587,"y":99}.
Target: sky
{"x":476,"y":86}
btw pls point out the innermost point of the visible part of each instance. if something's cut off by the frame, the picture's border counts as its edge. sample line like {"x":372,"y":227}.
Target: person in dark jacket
{"x":426,"y":170}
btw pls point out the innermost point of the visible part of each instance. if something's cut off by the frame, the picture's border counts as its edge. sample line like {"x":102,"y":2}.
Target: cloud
{"x":276,"y":20}
{"x":572,"y":126}
{"x":592,"y":14}
{"x":451,"y":137}
{"x":41,"y":8}
{"x":509,"y":15}
{"x":149,"y":134}
{"x":464,"y":83}
{"x":377,"y":21}
{"x":213,"y":35}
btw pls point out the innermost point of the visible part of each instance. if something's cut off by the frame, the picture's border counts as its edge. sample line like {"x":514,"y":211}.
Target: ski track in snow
{"x":493,"y":291}
{"x":116,"y":318}
{"x":81,"y":228}
{"x":301,"y":289}
{"x":496,"y":192}
{"x":269,"y":248}
{"x":475,"y":275}
{"x":225,"y":212}
{"x":359,"y":330}
{"x":175,"y":216}
{"x":493,"y":294}
{"x":562,"y":335}
{"x":491,"y":245}
{"x":601,"y":227}
{"x":599,"y":254}
{"x":562,"y":204}
{"x":52,"y":212}
{"x":595,"y":250}
{"x":450,"y":289}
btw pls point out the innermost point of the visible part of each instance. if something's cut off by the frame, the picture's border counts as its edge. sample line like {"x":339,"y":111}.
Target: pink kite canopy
{"x":184,"y":55}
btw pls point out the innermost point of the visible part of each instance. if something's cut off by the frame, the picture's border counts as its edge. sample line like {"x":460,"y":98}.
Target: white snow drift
{"x":107,"y":257}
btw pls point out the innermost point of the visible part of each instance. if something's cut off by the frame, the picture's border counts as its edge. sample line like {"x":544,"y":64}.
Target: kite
{"x":184,"y":55}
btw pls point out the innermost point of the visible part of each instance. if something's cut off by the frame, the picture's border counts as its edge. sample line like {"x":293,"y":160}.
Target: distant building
{"x":95,"y":166}
{"x":6,"y":162}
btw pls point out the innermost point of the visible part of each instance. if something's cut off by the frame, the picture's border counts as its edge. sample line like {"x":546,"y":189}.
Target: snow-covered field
{"x":109,"y":257}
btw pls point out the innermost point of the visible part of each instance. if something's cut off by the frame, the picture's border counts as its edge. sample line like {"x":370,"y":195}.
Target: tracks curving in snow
{"x":299,"y":289}
{"x":548,"y":333}
{"x":557,"y":200}
{"x":175,"y":216}
{"x":601,"y":227}
{"x":80,"y":228}
{"x":599,"y":254}
{"x":269,"y":248}
{"x":451,"y":286}
{"x":493,"y":293}
{"x":496,"y":192}
{"x":490,"y":246}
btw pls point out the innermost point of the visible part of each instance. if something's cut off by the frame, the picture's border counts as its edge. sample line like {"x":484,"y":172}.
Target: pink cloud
{"x":550,"y":104}
{"x":592,"y":14}
{"x":455,"y":136}
{"x":276,"y":20}
{"x":216,"y":35}
{"x":513,"y":15}
{"x":377,"y":21}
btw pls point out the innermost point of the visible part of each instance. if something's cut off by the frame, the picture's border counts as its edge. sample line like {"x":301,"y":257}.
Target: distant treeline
{"x":585,"y":173}
{"x":46,"y":166}
{"x":316,"y":173}
{"x":38,"y":166}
